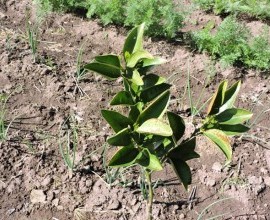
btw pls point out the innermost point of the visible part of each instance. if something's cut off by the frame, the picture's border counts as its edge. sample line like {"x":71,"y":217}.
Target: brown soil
{"x":34,"y":181}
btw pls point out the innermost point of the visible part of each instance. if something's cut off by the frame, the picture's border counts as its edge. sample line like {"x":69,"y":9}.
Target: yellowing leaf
{"x":221,"y":140}
{"x":230,"y":96}
{"x":233,"y":116}
{"x":217,"y":99}
{"x":156,"y":127}
{"x":137,"y":56}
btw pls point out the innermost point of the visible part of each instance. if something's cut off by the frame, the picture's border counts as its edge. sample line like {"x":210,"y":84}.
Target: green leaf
{"x":109,"y":59}
{"x":122,"y":98}
{"x":134,"y":112}
{"x":151,"y":80}
{"x":185,"y":151}
{"x":230,"y":96}
{"x":107,"y":65}
{"x":126,"y":156}
{"x":151,"y":93}
{"x":156,"y":109}
{"x":148,"y":160}
{"x":233,"y":116}
{"x":134,"y":41}
{"x":117,"y":121}
{"x":122,"y":138}
{"x":137,"y":56}
{"x":156,"y":127}
{"x":182,"y":170}
{"x":136,"y":78}
{"x":154,"y":61}
{"x":221,"y":140}
{"x":232,"y":130}
{"x":177,"y":124}
{"x":217,"y":99}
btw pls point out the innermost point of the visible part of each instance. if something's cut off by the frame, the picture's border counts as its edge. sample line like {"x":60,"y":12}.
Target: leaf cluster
{"x":259,"y":9}
{"x":149,"y":135}
{"x":233,"y":44}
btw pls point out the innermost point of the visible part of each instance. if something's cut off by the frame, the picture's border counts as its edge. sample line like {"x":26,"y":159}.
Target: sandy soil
{"x":34,"y":181}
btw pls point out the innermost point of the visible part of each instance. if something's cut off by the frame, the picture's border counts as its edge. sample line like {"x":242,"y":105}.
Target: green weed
{"x":162,"y":17}
{"x":4,"y":124}
{"x":260,"y":9}
{"x":233,"y":44}
{"x":68,"y":142}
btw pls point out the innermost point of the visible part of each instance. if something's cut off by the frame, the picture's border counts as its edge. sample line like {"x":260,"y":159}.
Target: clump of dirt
{"x":34,"y":181}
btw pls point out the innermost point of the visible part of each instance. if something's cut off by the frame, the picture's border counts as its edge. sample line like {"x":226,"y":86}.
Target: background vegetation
{"x":232,"y":41}
{"x":260,"y":9}
{"x":233,"y":44}
{"x":162,"y":17}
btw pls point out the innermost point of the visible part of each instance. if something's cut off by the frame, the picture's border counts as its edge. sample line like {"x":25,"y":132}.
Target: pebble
{"x":253,"y":180}
{"x":267,"y":180}
{"x":10,"y":211}
{"x":182,"y":216}
{"x":210,"y":182}
{"x":37,"y":196}
{"x":260,"y":188}
{"x":263,"y":170}
{"x":114,"y":204}
{"x":2,"y":15}
{"x":55,"y":202}
{"x":47,"y":181}
{"x":217,"y":167}
{"x":184,"y":206}
{"x":60,"y":208}
{"x":50,"y":196}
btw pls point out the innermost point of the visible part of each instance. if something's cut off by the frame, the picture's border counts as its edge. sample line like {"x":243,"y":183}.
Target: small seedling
{"x":4,"y":124}
{"x":68,"y":147}
{"x":80,"y":71}
{"x":149,"y":135}
{"x":32,"y":35}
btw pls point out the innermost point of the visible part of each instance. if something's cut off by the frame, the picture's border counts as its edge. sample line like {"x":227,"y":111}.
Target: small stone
{"x":55,"y":202}
{"x":263,"y":170}
{"x":267,"y":180}
{"x":227,"y":187}
{"x":60,"y":208}
{"x":184,"y":206}
{"x":50,"y":196}
{"x":133,"y":201}
{"x":175,"y":207}
{"x":114,"y":205}
{"x":10,"y":211}
{"x":182,"y":216}
{"x":217,"y":167}
{"x":2,"y":15}
{"x":47,"y":181}
{"x":88,"y":183}
{"x":210,"y":182}
{"x":253,"y":180}
{"x":260,"y":188}
{"x":265,"y":205}
{"x":37,"y":196}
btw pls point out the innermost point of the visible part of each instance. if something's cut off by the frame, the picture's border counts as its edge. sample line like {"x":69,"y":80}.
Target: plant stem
{"x":150,"y":194}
